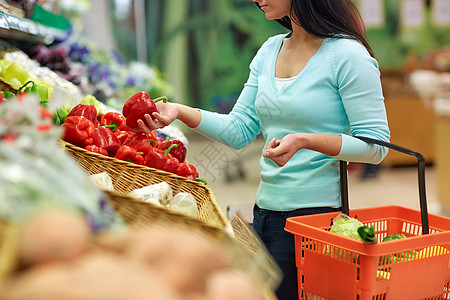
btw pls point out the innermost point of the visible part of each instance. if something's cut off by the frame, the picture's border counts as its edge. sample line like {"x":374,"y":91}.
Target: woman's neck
{"x":300,"y":36}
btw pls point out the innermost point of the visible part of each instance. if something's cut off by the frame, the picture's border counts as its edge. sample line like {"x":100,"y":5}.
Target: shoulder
{"x":273,"y":41}
{"x":346,"y":47}
{"x":349,"y":53}
{"x":267,"y":48}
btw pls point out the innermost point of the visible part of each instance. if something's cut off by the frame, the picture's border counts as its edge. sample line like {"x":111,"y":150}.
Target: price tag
{"x":412,"y":13}
{"x":372,"y":13}
{"x":441,"y":12}
{"x":151,"y":196}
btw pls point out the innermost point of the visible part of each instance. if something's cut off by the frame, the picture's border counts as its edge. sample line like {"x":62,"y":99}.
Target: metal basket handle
{"x":421,"y":178}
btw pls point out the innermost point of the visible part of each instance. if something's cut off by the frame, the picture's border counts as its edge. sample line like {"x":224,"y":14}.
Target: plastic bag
{"x":184,"y":203}
{"x":159,"y":194}
{"x":103,"y":181}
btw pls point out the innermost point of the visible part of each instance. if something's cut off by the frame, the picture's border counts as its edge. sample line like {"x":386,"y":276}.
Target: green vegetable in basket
{"x":347,"y":226}
{"x":367,"y":234}
{"x":397,"y":257}
{"x":393,"y":237}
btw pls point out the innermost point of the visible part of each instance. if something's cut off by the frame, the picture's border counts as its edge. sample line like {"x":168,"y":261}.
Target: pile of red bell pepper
{"x":110,"y":134}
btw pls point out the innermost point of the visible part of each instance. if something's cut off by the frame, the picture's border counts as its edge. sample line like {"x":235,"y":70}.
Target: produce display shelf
{"x":21,"y":29}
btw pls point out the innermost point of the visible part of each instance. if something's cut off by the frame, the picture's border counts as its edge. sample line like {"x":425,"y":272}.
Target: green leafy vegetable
{"x":367,"y":234}
{"x":347,"y":226}
{"x":393,"y":237}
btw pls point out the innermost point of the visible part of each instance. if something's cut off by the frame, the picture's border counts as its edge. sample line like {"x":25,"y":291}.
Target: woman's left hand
{"x":281,"y":151}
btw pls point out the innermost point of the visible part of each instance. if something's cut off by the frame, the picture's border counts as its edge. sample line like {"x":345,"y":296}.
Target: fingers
{"x":270,"y":149}
{"x":149,"y":124}
{"x":273,"y":143}
{"x":161,"y":120}
{"x":142,"y":126}
{"x":277,"y":154}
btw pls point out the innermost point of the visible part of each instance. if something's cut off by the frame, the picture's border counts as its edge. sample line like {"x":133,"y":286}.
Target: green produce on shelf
{"x":15,"y":74}
{"x":40,"y":90}
{"x":60,"y":114}
{"x":91,"y":100}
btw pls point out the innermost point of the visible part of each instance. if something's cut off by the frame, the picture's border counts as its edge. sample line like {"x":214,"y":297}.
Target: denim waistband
{"x":298,"y":212}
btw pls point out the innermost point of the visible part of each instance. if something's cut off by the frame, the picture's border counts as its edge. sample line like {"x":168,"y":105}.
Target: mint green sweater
{"x":338,"y":92}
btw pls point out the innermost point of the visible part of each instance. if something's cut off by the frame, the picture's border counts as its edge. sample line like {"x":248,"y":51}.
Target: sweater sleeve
{"x":241,"y":126}
{"x":359,"y":85}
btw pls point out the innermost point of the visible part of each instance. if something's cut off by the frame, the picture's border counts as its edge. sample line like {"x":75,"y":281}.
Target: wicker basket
{"x":8,"y":249}
{"x":247,"y":253}
{"x":139,"y":214}
{"x":6,"y":87}
{"x":127,"y":176}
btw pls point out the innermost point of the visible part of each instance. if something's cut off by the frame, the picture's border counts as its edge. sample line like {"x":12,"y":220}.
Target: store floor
{"x":233,"y":177}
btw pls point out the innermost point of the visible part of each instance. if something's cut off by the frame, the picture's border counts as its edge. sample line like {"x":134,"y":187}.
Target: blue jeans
{"x":269,"y":225}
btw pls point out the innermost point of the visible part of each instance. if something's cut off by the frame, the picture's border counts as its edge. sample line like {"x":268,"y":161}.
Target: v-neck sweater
{"x":337,"y":92}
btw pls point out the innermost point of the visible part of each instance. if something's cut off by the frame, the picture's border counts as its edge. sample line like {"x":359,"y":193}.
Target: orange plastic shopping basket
{"x":333,"y":266}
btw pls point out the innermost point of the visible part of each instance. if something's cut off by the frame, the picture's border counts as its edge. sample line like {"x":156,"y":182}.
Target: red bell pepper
{"x":127,"y":153}
{"x":99,"y":118}
{"x":112,"y":120}
{"x":96,"y":149}
{"x":153,"y":138}
{"x":105,"y":138}
{"x":162,"y":160}
{"x":78,"y":130}
{"x":187,"y":170}
{"x":9,"y":138}
{"x":139,"y":141}
{"x":179,"y":152}
{"x":152,"y":135}
{"x":122,"y":135}
{"x":137,"y":106}
{"x":156,"y":142}
{"x":87,"y":111}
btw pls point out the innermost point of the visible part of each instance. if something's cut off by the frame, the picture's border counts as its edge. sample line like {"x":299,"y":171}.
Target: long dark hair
{"x":328,"y":18}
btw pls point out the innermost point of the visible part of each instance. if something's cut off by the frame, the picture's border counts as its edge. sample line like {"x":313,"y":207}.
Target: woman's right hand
{"x":168,"y":112}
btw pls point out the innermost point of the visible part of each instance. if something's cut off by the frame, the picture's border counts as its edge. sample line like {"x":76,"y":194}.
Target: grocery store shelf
{"x":21,"y":29}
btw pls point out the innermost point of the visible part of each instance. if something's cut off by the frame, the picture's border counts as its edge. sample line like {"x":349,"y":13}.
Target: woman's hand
{"x":281,"y":151}
{"x":168,"y":112}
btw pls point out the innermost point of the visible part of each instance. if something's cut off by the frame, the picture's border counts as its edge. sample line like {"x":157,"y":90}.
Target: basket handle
{"x":421,"y":179}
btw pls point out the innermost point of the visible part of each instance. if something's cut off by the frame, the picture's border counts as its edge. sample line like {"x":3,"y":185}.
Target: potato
{"x":53,"y":235}
{"x":95,"y":276}
{"x":184,"y":258}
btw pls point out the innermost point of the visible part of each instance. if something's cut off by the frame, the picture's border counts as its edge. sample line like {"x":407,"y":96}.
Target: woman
{"x":309,"y":93}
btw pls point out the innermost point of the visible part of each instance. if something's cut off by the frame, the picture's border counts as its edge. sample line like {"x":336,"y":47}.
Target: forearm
{"x":188,"y":115}
{"x":342,"y":147}
{"x":328,"y":144}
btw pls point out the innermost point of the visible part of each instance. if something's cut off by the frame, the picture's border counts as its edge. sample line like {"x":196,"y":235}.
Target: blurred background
{"x":197,"y":52}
